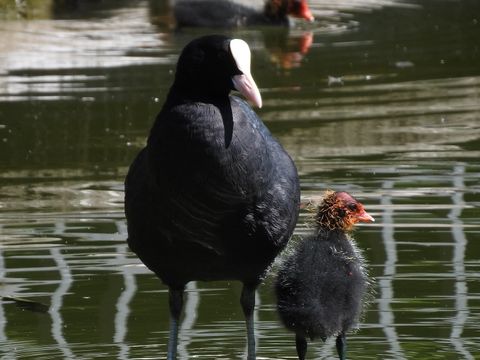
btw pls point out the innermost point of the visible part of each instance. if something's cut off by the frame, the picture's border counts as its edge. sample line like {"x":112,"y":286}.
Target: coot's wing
{"x":214,"y":13}
{"x":199,"y":178}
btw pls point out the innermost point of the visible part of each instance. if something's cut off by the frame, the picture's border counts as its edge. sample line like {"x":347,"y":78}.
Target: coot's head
{"x":280,"y":9}
{"x":213,"y":65}
{"x":340,"y":211}
{"x":300,"y":9}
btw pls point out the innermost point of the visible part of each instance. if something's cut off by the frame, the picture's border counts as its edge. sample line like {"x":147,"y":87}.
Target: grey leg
{"x":247,"y":300}
{"x":176,"y":304}
{"x":301,"y":345}
{"x":342,"y":346}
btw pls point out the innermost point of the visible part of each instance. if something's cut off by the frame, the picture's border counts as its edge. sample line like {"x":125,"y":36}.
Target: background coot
{"x":234,"y":13}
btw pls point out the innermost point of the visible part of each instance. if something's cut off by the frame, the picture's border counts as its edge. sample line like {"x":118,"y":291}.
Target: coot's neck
{"x":181,"y":94}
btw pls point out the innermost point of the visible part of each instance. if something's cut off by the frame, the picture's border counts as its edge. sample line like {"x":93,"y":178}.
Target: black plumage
{"x":213,"y":196}
{"x":321,"y":286}
{"x":235,"y":13}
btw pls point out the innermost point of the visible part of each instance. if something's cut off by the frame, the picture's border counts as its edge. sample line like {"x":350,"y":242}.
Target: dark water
{"x":385,"y":104}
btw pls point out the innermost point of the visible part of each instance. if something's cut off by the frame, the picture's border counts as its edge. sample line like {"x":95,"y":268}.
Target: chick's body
{"x":328,"y":279}
{"x":321,"y":286}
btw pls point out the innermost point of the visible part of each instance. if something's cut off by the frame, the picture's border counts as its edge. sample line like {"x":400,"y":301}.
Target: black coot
{"x":321,"y":286}
{"x":213,"y":196}
{"x":234,"y":13}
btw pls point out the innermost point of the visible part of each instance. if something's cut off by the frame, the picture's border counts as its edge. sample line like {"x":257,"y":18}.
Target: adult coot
{"x":321,"y":286}
{"x":213,"y":195}
{"x":234,"y":13}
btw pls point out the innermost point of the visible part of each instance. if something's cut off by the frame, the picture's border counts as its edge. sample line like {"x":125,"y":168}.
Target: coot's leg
{"x":342,"y":346}
{"x":247,"y":300}
{"x":176,"y":304}
{"x":301,"y":344}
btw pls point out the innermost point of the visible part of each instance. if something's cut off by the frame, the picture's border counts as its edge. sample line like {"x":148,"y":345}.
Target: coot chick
{"x":321,"y":286}
{"x":235,"y":13}
{"x":213,"y":195}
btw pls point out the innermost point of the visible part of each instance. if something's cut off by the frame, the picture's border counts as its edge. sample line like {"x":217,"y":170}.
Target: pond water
{"x":379,"y":98}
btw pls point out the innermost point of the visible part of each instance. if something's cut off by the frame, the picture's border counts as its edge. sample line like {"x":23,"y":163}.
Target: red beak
{"x":305,"y":12}
{"x":363,"y":216}
{"x":300,"y":9}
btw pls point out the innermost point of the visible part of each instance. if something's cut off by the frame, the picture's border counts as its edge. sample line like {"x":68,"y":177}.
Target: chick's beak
{"x":363,"y":216}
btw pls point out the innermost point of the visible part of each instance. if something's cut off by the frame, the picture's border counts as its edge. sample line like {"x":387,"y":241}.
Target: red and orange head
{"x":295,"y":8}
{"x":340,"y":211}
{"x":300,"y":9}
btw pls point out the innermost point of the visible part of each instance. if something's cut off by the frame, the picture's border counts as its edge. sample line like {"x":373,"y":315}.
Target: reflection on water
{"x":379,"y":98}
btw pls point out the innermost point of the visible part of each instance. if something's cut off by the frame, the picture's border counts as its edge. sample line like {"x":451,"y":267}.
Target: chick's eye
{"x":352,"y":207}
{"x":341,"y":213}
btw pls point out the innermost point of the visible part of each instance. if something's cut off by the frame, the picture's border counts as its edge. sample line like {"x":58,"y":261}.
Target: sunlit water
{"x":385,"y":104}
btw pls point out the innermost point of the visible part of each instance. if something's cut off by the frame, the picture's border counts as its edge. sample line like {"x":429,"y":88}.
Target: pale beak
{"x":247,"y":87}
{"x":244,"y":82}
